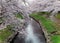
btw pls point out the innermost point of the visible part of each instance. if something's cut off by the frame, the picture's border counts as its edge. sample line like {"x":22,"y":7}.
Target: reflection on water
{"x":18,"y":40}
{"x":31,"y":38}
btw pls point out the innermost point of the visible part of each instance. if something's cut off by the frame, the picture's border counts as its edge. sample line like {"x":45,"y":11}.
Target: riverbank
{"x":43,"y":30}
{"x":49,"y":28}
{"x":5,"y":33}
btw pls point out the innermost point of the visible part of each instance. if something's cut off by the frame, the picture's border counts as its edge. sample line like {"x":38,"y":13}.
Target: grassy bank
{"x":49,"y":26}
{"x":5,"y":33}
{"x":55,"y":38}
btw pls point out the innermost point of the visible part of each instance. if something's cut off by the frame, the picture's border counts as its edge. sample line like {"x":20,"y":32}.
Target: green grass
{"x":58,"y":16}
{"x":19,"y":16}
{"x":5,"y":33}
{"x":55,"y":39}
{"x":48,"y":24}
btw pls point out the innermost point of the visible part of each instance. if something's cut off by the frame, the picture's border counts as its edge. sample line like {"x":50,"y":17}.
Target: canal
{"x":34,"y":34}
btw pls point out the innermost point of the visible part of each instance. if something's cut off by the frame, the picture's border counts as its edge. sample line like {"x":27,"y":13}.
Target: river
{"x":34,"y":34}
